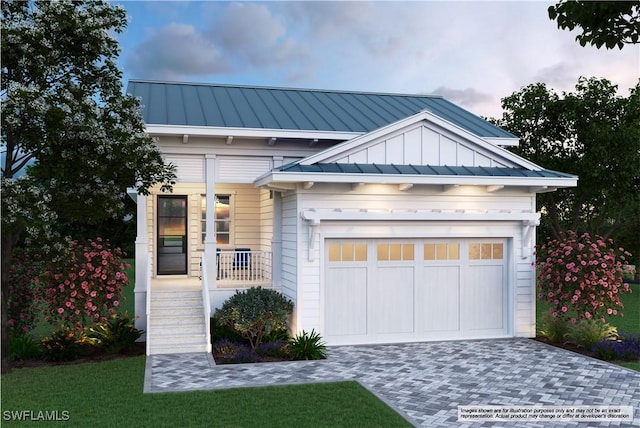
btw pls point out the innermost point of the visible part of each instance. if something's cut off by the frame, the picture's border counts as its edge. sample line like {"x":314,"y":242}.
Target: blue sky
{"x":473,"y":53}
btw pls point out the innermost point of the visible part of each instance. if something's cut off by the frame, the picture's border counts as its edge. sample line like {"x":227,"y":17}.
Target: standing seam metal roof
{"x":234,"y":106}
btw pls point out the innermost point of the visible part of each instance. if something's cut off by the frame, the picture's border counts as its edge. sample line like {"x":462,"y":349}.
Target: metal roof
{"x":232,"y":106}
{"x":468,"y":171}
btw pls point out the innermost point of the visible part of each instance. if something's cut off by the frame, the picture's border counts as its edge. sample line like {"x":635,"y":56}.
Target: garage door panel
{"x":484,"y":296}
{"x":392,"y":310}
{"x":346,"y":299}
{"x":438,"y":299}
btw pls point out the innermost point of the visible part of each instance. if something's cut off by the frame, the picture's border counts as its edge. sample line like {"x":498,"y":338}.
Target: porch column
{"x":210,"y":221}
{"x":142,"y":263}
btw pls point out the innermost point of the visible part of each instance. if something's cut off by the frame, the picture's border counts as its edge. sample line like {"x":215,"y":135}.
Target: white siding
{"x":231,"y":169}
{"x":266,"y":220}
{"x":290,"y":223}
{"x":421,"y":145}
{"x":189,"y":168}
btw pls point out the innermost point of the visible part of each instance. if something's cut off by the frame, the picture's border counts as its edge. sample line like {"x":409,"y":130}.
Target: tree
{"x":592,"y":133}
{"x":67,"y":123}
{"x":603,"y":23}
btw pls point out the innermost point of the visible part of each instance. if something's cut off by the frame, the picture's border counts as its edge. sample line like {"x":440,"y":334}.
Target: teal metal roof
{"x":468,"y":171}
{"x":195,"y":104}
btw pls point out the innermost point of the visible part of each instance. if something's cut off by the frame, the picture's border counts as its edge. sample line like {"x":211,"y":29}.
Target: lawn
{"x":110,"y":394}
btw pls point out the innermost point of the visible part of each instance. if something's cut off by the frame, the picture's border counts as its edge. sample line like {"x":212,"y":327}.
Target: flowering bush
{"x":22,"y":303}
{"x":86,"y":286}
{"x":626,"y":348}
{"x":581,"y":277}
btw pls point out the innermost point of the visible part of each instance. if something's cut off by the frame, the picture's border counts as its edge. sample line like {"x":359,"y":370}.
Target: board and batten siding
{"x":521,"y":276}
{"x":421,"y":145}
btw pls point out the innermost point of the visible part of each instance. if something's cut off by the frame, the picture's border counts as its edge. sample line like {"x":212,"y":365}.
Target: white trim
{"x":277,"y":178}
{"x":315,"y":217}
{"x":411,"y":120}
{"x":502,"y":141}
{"x":216,"y":131}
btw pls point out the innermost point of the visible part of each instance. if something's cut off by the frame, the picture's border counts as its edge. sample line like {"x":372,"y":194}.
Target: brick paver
{"x":426,"y":382}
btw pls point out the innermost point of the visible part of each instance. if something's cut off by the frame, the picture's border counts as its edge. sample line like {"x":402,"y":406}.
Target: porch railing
{"x":243,"y":267}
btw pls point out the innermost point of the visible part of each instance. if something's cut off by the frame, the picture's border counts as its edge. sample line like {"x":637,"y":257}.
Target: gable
{"x":421,"y":139}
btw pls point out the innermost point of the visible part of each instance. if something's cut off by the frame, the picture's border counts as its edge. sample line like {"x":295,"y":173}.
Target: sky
{"x":471,"y":52}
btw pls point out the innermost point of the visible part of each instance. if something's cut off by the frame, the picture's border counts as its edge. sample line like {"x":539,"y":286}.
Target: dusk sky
{"x":472,"y":53}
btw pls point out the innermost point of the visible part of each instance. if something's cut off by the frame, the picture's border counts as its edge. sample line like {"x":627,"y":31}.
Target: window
{"x":441,"y":251}
{"x":222,"y":218}
{"x":490,"y":251}
{"x":393,"y":252}
{"x":348,"y":252}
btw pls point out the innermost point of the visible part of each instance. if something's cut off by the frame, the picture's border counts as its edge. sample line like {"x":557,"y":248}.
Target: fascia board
{"x":503,"y":142}
{"x":213,"y":131}
{"x":323,"y":177}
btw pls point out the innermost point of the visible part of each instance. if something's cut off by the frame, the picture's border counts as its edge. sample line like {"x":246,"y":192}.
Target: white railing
{"x":206,"y":302}
{"x":243,"y":268}
{"x":148,"y":305}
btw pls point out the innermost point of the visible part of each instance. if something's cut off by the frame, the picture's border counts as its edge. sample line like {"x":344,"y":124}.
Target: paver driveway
{"x":426,"y":382}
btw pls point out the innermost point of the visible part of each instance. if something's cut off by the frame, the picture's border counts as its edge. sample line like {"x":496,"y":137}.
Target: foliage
{"x":219,"y":331}
{"x":22,"y":301}
{"x":603,"y":23}
{"x":229,"y":352}
{"x":587,"y":332}
{"x":553,"y":328}
{"x":72,"y":140}
{"x":24,"y":347}
{"x":86,"y":286}
{"x":581,"y":276}
{"x":280,"y":334}
{"x":274,"y":348}
{"x":67,"y":344}
{"x":255,"y":312}
{"x":307,"y":346}
{"x":592,"y":133}
{"x":626,"y":348}
{"x":116,"y":334}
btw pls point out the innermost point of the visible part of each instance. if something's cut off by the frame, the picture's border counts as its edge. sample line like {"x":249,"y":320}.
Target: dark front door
{"x":172,"y":235}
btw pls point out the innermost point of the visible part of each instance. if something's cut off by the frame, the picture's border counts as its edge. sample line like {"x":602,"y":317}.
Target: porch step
{"x":177,"y":323}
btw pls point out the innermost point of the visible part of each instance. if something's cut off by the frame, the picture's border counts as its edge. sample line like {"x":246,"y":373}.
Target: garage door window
{"x":348,"y":252}
{"x":486,"y":251}
{"x":442,"y":251}
{"x":394,"y":252}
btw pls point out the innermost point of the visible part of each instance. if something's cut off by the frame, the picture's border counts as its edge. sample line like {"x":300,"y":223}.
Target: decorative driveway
{"x":426,"y":382}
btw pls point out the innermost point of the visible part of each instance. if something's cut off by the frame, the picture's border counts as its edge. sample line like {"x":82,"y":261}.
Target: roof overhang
{"x":212,"y":131}
{"x":280,"y":180}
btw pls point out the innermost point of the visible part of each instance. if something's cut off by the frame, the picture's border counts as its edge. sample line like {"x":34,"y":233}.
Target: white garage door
{"x":403,"y":290}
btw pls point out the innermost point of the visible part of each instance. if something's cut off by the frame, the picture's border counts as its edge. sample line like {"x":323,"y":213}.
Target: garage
{"x":394,"y":290}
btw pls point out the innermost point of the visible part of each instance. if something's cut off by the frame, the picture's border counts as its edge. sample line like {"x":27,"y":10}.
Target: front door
{"x":172,"y":235}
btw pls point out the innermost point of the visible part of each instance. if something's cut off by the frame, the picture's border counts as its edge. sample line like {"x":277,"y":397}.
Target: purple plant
{"x":276,"y":348}
{"x":627,"y":348}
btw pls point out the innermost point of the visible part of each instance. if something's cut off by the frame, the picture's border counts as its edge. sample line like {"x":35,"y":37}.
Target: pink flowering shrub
{"x":22,"y":297}
{"x":581,"y":277}
{"x":86,"y":286}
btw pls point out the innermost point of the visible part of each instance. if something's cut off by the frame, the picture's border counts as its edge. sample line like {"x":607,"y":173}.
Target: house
{"x":383,"y":217}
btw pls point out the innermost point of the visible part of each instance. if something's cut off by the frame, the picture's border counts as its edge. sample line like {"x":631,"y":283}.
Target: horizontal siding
{"x":290,"y":249}
{"x":241,"y":169}
{"x":189,"y":168}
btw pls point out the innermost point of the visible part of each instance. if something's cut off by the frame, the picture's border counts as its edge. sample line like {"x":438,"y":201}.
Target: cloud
{"x":174,"y":51}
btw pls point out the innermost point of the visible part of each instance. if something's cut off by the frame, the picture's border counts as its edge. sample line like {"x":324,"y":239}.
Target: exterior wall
{"x":521,"y":277}
{"x":421,"y":145}
{"x":266,"y":219}
{"x":290,"y":255}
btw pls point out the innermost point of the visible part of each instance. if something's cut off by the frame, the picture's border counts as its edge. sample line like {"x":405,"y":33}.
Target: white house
{"x":383,"y":217}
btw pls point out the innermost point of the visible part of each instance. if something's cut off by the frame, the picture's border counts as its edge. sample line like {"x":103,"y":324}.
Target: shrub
{"x":85,"y":286}
{"x":255,"y":312}
{"x":627,"y":348}
{"x":115,"y":335}
{"x":553,"y":328}
{"x":220,"y":331}
{"x":280,"y":334}
{"x":67,"y":344}
{"x":22,"y":308}
{"x":581,"y":276}
{"x":24,"y":347}
{"x":228,"y":352}
{"x":587,"y":332}
{"x":307,"y":346}
{"x":274,"y":349}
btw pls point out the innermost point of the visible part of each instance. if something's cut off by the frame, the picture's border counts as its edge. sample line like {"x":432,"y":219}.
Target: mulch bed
{"x":96,"y":357}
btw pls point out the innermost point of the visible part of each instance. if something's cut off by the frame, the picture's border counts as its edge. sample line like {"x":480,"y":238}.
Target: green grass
{"x":109,"y":394}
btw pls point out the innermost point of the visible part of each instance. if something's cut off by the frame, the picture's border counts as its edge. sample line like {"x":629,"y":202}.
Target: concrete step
{"x":182,"y":339}
{"x":178,"y":349}
{"x":165,"y":312}
{"x":158,"y":329}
